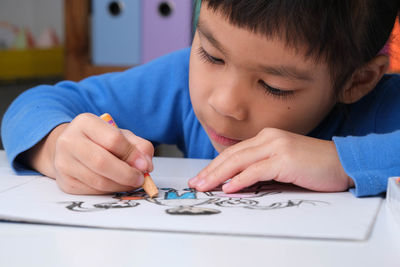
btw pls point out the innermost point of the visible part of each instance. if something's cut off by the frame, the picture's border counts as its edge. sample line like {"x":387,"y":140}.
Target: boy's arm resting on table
{"x":279,"y":155}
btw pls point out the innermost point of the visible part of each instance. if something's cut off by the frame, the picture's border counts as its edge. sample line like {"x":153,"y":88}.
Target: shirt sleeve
{"x":150,"y":100}
{"x":372,"y":158}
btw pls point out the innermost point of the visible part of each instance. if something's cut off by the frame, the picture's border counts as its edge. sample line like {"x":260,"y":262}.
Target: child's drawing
{"x":265,"y":209}
{"x":80,"y":205}
{"x":190,"y":202}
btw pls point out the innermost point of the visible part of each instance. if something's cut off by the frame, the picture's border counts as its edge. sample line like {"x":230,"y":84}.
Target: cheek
{"x":298,"y":115}
{"x":309,"y":112}
{"x":199,"y":83}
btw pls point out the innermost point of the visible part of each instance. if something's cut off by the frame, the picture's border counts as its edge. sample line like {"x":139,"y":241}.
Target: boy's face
{"x":241,"y":82}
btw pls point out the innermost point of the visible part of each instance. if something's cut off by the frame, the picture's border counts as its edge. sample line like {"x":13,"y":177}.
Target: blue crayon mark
{"x":173,"y":194}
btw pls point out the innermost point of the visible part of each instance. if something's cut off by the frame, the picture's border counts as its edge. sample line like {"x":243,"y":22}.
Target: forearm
{"x":370,"y":160}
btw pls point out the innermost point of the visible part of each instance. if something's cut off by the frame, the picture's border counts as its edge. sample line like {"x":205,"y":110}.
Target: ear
{"x":364,"y":79}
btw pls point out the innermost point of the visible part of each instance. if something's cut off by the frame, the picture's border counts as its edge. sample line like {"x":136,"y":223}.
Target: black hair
{"x":345,"y":34}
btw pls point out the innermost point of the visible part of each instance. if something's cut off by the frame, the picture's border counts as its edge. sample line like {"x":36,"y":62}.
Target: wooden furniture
{"x":77,"y":49}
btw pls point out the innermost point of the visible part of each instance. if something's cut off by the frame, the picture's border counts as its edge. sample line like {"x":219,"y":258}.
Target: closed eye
{"x":275,"y":92}
{"x":206,"y":57}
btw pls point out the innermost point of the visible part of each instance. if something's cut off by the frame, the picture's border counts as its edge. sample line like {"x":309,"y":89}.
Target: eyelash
{"x":280,"y":94}
{"x":275,"y":92}
{"x":208,"y":58}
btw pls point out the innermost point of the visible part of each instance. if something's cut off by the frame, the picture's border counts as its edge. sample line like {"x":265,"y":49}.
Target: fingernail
{"x":226,"y":187}
{"x":150,"y":163}
{"x":141,"y":164}
{"x":193,"y":181}
{"x":201,"y":183}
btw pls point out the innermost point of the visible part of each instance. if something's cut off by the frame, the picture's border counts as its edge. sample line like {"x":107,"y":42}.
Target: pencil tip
{"x":153,"y":195}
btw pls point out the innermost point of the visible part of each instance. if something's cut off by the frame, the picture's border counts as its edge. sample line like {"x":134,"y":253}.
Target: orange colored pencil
{"x":148,"y":185}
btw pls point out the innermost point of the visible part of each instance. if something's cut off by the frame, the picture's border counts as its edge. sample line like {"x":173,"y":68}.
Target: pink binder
{"x":166,"y":27}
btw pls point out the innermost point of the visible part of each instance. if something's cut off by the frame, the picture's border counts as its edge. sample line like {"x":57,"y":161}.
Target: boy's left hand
{"x":278,"y":155}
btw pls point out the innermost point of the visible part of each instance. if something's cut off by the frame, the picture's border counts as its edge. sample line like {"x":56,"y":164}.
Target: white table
{"x":48,"y":245}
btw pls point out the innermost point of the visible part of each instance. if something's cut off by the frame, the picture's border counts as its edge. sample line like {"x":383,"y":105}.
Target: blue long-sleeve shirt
{"x":153,"y":101}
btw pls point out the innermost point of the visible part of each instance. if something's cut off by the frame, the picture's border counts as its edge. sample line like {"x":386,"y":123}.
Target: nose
{"x":229,"y":99}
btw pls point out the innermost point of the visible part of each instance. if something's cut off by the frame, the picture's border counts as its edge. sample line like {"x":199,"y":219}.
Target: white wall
{"x":35,"y":14}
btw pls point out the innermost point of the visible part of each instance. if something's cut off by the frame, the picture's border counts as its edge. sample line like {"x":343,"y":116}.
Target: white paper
{"x":276,"y":210}
{"x":8,"y":179}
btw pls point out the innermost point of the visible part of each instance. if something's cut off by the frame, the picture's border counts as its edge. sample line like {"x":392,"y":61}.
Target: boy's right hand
{"x":89,"y":156}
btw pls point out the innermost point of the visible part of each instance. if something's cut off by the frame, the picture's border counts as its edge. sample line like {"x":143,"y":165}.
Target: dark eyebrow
{"x":290,"y":72}
{"x":204,"y":31}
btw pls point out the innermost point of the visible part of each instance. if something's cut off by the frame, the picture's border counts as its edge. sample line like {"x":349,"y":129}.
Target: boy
{"x":265,"y":89}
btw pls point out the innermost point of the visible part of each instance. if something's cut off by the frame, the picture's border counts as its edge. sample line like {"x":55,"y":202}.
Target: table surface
{"x":23,"y":244}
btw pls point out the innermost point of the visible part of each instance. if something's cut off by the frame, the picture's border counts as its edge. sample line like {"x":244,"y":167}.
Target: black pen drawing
{"x":190,"y":202}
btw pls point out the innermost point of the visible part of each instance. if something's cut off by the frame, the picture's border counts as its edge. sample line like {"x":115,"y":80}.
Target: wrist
{"x":41,"y":156}
{"x":342,"y":173}
{"x":351,"y":182}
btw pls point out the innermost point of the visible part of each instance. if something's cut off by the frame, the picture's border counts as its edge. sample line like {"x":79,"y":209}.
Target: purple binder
{"x":166,"y":27}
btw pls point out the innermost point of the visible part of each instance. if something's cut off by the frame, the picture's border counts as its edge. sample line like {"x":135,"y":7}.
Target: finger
{"x":144,"y":146}
{"x":73,"y":186}
{"x":97,"y":159}
{"x":104,"y":164}
{"x":96,"y":181}
{"x":234,"y":164}
{"x":265,"y":136}
{"x":112,"y":139}
{"x":263,"y":170}
{"x":198,"y":180}
{"x":252,"y":142}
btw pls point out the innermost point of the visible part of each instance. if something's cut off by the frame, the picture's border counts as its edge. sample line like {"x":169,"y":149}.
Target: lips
{"x":222,"y":140}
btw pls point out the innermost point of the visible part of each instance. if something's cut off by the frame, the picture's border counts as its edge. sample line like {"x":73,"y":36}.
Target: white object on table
{"x":272,"y":210}
{"x":393,"y":197}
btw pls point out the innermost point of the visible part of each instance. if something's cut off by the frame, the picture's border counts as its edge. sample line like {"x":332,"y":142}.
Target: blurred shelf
{"x":31,"y":63}
{"x":77,"y":55}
